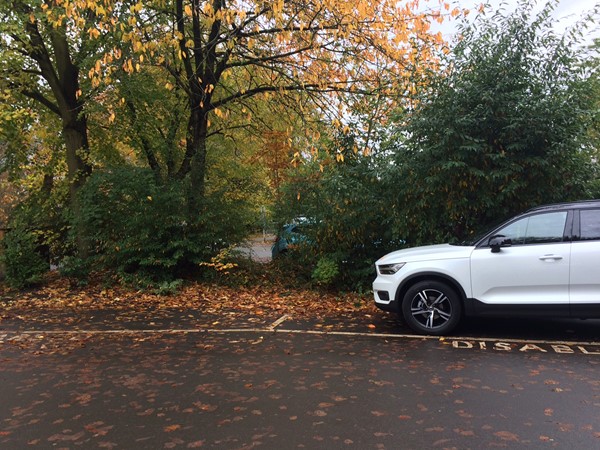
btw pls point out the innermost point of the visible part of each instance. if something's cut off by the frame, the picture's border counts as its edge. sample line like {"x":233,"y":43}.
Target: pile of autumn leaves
{"x":256,"y":299}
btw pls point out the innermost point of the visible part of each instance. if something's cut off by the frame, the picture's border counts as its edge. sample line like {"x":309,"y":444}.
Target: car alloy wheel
{"x":431,"y":307}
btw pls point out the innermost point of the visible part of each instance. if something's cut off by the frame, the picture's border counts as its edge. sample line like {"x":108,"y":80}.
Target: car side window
{"x":537,"y":229}
{"x":590,"y":224}
{"x":515,"y":231}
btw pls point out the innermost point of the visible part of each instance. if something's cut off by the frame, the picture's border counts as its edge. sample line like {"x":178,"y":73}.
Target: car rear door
{"x":531,"y":273}
{"x":585,"y":264}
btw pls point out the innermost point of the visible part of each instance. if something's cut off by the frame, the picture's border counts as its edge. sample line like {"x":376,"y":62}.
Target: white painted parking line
{"x":279,"y":321}
{"x":458,"y":342}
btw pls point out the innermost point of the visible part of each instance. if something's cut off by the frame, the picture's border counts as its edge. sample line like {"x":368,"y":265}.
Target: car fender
{"x":459,"y":282}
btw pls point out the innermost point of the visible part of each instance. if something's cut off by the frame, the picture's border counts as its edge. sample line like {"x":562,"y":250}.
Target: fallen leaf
{"x":507,"y":436}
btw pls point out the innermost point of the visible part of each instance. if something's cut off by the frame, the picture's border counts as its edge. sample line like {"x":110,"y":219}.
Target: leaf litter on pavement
{"x":57,"y":305}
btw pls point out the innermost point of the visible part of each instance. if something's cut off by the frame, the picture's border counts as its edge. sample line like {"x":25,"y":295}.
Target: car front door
{"x":531,"y":273}
{"x":585,"y":265}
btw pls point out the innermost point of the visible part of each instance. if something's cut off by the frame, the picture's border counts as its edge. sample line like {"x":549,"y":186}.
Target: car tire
{"x":432,"y":307}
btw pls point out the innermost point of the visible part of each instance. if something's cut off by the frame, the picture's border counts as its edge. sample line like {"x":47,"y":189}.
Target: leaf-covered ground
{"x":260,"y":300}
{"x":196,"y":304}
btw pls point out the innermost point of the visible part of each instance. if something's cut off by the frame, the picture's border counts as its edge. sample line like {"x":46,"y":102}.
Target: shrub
{"x":326,"y":271}
{"x":76,"y":268}
{"x":348,"y":205}
{"x":24,"y":262}
{"x":142,"y":229}
{"x":36,"y":237}
{"x":508,"y":126}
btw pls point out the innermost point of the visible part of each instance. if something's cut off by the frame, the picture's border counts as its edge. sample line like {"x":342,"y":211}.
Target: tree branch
{"x":37,"y":96}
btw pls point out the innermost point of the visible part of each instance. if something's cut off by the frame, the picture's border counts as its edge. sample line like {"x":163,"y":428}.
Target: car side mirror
{"x":499,"y":241}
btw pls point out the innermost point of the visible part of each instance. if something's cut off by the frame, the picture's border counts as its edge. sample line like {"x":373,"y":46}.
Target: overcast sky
{"x":566,"y":14}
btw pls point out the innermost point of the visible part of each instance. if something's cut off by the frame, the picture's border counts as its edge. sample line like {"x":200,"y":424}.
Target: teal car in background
{"x":291,"y":234}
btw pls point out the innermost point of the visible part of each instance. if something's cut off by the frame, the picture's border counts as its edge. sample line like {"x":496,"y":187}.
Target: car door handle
{"x":550,"y":258}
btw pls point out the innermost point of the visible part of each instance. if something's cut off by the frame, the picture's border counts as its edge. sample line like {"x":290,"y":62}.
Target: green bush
{"x":508,"y":126}
{"x":348,"y":206}
{"x":326,"y":271}
{"x":36,"y":237}
{"x":142,"y":230}
{"x":168,"y":287}
{"x":76,"y":268}
{"x":24,"y":262}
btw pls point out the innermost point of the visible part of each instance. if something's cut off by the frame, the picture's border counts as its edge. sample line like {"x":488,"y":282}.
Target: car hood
{"x":427,"y":253}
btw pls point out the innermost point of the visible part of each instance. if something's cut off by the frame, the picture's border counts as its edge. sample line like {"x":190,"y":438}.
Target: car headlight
{"x":390,"y":269}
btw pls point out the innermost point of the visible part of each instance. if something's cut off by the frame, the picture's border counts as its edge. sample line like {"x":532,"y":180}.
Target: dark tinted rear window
{"x":590,"y":224}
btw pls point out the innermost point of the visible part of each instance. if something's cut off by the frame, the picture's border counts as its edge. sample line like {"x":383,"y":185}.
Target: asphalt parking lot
{"x":195,"y":381}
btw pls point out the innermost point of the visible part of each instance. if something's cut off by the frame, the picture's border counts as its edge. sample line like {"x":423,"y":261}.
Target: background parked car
{"x":290,"y":234}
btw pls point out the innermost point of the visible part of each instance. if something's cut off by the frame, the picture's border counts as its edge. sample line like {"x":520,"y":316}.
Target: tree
{"x":227,"y":62}
{"x":46,"y":49}
{"x":150,"y":124}
{"x":222,"y":54}
{"x":42,"y":57}
{"x":592,"y":65}
{"x":504,"y":128}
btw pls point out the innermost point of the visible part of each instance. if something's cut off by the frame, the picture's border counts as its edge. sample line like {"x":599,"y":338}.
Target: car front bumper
{"x":384,"y":291}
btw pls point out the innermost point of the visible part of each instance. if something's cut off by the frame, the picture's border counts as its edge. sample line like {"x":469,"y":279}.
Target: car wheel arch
{"x":430,"y":276}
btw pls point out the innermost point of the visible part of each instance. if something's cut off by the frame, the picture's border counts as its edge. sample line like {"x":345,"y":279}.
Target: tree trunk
{"x":76,"y":142}
{"x":197,"y":131}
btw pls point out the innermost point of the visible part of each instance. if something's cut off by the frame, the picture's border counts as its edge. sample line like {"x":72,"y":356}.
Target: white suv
{"x":544,"y":262}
